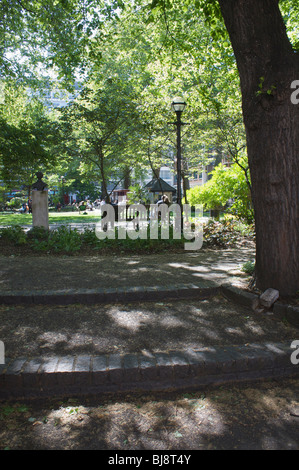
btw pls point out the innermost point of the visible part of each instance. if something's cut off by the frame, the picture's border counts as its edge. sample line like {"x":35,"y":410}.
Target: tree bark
{"x":127,"y":177}
{"x":186,"y":186}
{"x":267,"y":66}
{"x":105,"y":194}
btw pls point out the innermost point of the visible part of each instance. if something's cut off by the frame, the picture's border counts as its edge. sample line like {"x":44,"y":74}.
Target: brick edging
{"x":175,"y":370}
{"x":289,"y":312}
{"x":126,"y":294}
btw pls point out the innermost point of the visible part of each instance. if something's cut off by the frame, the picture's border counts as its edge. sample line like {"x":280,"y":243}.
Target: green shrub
{"x":227,"y":189}
{"x":16,"y":202}
{"x":39,"y":245}
{"x":65,"y":239}
{"x":248,"y":267}
{"x":39,"y":238}
{"x":219,"y":234}
{"x":14,"y":234}
{"x":38,"y":233}
{"x":89,"y":237}
{"x":226,"y":233}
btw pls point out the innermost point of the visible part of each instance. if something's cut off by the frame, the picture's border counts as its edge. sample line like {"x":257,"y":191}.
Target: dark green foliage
{"x":14,"y":234}
{"x":67,"y":240}
{"x":38,"y":233}
{"x":222,"y":234}
{"x":248,"y":267}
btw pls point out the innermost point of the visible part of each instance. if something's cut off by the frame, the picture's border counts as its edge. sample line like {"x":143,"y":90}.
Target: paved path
{"x":48,"y":280}
{"x":99,"y":274}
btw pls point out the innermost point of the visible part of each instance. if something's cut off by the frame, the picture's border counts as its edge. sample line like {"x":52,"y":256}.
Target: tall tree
{"x":103,"y":128}
{"x":267,"y":65}
{"x":28,"y":137}
{"x":49,"y":33}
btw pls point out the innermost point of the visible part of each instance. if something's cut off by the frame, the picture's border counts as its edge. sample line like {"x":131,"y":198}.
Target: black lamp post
{"x":178,"y":105}
{"x":62,"y":179}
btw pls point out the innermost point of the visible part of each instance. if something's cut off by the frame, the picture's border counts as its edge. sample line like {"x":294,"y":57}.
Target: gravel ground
{"x":135,"y":327}
{"x":263,"y":416}
{"x":29,"y":273}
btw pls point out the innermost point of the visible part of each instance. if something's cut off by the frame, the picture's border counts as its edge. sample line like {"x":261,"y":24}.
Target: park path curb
{"x":279,"y":309}
{"x":41,"y":377}
{"x":108,"y":295}
{"x":26,"y":378}
{"x":202,"y":290}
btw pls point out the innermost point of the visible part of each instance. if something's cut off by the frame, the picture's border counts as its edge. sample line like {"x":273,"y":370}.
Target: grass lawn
{"x":7,"y":219}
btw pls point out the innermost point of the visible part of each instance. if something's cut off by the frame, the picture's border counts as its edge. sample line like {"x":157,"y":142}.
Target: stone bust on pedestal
{"x":39,"y":185}
{"x":40,"y":212}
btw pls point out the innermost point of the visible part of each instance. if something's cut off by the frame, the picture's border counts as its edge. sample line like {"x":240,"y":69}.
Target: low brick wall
{"x":170,"y":370}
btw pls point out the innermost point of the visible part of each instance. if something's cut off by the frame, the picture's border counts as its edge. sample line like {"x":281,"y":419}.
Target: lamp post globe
{"x":178,"y":104}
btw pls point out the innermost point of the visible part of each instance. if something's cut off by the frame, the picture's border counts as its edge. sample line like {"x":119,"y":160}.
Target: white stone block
{"x":40,"y":211}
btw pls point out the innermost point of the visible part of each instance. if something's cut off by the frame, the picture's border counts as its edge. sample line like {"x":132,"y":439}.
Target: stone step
{"x":43,"y":377}
{"x":107,"y":295}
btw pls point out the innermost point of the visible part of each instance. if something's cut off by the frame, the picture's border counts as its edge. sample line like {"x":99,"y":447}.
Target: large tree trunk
{"x":105,"y":194}
{"x":262,"y":49}
{"x":127,"y":177}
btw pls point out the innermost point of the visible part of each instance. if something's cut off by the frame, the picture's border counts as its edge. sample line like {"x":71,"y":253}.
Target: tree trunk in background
{"x":267,"y":66}
{"x":156,"y":172}
{"x":186,"y":187}
{"x":105,"y":194}
{"x":127,"y":178}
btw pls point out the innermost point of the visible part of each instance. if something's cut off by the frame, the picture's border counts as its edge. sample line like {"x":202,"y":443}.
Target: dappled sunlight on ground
{"x":256,"y":416}
{"x":164,"y":269}
{"x":133,"y":327}
{"x":131,"y":320}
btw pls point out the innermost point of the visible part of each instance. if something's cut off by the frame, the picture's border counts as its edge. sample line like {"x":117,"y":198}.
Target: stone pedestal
{"x":40,"y":212}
